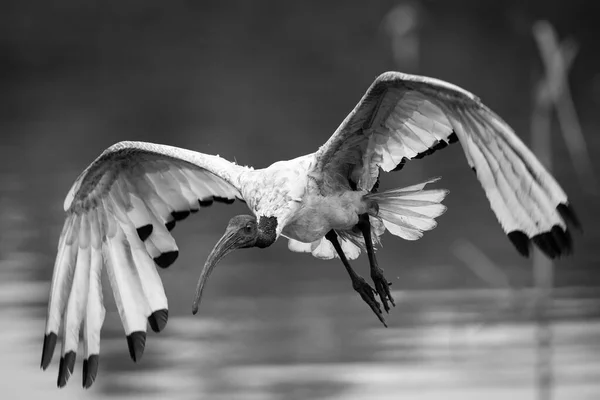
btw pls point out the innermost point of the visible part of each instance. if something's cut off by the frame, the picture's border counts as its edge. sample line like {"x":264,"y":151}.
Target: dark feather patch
{"x":520,"y":240}
{"x":144,"y":232}
{"x":401,"y":164}
{"x":158,"y":320}
{"x":166,"y":258}
{"x":554,"y":243}
{"x":205,"y":202}
{"x":567,"y":213}
{"x":65,"y":368}
{"x":422,"y":154}
{"x":90,"y":370}
{"x":545,"y":242}
{"x":170,"y":225}
{"x":225,"y":200}
{"x":48,"y":349}
{"x":440,"y":144}
{"x":563,"y":239}
{"x":557,"y":251}
{"x":136,"y":342}
{"x":180,"y":215}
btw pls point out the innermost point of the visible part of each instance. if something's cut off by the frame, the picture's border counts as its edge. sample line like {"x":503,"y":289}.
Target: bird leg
{"x":381,"y":284}
{"x":367,"y":293}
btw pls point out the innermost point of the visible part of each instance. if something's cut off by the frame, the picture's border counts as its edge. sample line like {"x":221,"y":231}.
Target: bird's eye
{"x":248,"y":228}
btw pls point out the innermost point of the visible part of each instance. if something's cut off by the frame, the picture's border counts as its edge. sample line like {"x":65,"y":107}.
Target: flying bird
{"x":122,"y":207}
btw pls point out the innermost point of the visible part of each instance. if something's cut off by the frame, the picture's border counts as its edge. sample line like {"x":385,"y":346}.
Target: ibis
{"x":121,"y":209}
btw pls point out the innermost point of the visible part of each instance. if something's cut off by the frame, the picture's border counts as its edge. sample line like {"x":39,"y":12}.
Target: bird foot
{"x":383,"y":288}
{"x":367,"y":293}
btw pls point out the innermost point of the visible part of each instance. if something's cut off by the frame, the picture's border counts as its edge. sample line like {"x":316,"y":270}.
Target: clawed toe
{"x":367,"y":293}
{"x":382,"y":286}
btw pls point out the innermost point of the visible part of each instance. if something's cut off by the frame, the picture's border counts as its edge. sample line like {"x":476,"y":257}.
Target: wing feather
{"x":76,"y":303}
{"x":77,"y":297}
{"x":186,"y":189}
{"x":95,"y":312}
{"x":147,"y":274}
{"x":131,"y":304}
{"x":170,"y":193}
{"x":145,"y":213}
{"x":119,"y":214}
{"x":513,"y":191}
{"x":63,"y":274}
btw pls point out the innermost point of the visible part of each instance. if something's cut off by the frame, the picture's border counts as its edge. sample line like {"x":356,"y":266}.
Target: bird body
{"x":121,"y":209}
{"x":317,"y":214}
{"x":286,"y":190}
{"x":290,"y":192}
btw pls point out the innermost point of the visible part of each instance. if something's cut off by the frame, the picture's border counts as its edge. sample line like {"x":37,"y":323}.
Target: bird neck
{"x":267,"y":232}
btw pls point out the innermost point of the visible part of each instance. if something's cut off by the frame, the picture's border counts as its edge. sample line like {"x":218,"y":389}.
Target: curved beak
{"x":225,"y":245}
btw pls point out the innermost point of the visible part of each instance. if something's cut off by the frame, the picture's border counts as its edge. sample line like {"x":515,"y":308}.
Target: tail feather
{"x":408,"y":212}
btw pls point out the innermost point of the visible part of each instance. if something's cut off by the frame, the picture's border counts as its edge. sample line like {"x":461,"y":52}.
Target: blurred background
{"x":261,"y":81}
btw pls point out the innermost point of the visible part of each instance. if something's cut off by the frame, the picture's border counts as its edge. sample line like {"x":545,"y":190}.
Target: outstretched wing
{"x":403,"y":117}
{"x":119,"y":214}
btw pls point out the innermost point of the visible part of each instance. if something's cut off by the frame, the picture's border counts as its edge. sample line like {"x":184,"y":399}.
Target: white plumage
{"x":121,"y":208}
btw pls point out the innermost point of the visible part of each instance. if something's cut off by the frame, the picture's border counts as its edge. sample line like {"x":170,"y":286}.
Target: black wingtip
{"x":554,"y":243}
{"x":452,"y":138}
{"x":440,"y":144}
{"x":136,"y":342}
{"x":423,"y":154}
{"x":180,"y":215}
{"x":170,"y":225}
{"x":90,"y":370}
{"x":48,"y":349}
{"x":225,"y":200}
{"x":166,"y":258}
{"x":65,"y":369}
{"x":144,"y":232}
{"x":158,"y":320}
{"x":401,"y":164}
{"x":205,"y":202}
{"x":567,"y":213}
{"x":563,"y":239}
{"x":546,"y":244}
{"x":520,"y":240}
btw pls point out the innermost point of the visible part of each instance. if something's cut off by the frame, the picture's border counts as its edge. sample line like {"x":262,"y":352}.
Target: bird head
{"x":242,"y":232}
